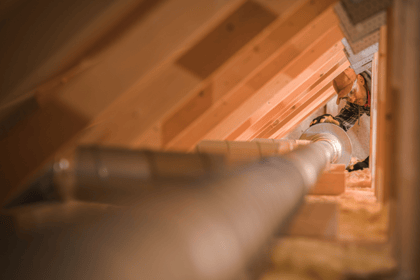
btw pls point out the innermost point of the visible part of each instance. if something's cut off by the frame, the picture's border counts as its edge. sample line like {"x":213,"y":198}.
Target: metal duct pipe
{"x":114,"y":175}
{"x":119,"y":176}
{"x":209,"y":229}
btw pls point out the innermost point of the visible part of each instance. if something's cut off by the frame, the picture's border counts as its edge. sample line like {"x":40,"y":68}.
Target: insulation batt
{"x":361,"y":247}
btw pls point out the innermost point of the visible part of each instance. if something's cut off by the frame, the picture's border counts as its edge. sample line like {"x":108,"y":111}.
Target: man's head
{"x":350,"y":86}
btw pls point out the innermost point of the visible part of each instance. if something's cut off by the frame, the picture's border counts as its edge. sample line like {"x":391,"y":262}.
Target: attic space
{"x":211,"y":139}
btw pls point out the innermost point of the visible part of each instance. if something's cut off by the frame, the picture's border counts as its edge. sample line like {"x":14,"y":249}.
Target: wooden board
{"x":382,"y":124}
{"x":332,"y":182}
{"x":123,"y":64}
{"x":231,"y":77}
{"x":290,"y":98}
{"x":221,"y":112}
{"x":271,"y":89}
{"x":315,"y":219}
{"x":317,"y":97}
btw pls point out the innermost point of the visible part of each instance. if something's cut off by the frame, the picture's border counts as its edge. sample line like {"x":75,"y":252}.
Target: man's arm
{"x":349,"y":115}
{"x":345,"y":119}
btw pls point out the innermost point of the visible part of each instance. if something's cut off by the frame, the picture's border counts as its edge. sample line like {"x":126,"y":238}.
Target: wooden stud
{"x":231,"y":78}
{"x":379,"y":142}
{"x":220,"y":115}
{"x":271,"y":89}
{"x":315,"y":219}
{"x":125,"y":63}
{"x":309,"y":106}
{"x":330,"y":183}
{"x":285,"y":102}
{"x":315,"y":98}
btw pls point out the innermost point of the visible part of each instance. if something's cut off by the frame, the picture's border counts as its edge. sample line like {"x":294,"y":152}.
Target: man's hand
{"x":327,"y":118}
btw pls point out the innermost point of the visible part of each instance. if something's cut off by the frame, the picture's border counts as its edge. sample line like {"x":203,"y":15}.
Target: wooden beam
{"x":60,"y":36}
{"x":320,"y":95}
{"x":379,"y":139}
{"x":404,"y":134}
{"x":240,"y":117}
{"x":315,"y":219}
{"x":332,"y":182}
{"x":81,"y":101}
{"x":279,"y":62}
{"x":285,"y":102}
{"x":373,"y":152}
{"x":142,"y":109}
{"x":233,"y":74}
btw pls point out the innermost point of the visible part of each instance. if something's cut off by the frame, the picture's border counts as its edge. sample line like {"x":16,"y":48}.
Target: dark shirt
{"x":350,"y":114}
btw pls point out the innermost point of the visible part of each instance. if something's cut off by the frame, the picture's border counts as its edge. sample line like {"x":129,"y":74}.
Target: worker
{"x":356,"y":91}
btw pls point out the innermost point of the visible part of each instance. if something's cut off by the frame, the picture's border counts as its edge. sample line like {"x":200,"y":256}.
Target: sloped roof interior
{"x":163,"y":76}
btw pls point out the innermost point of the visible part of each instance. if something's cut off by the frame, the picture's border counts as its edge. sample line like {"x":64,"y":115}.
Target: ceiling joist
{"x":288,"y":54}
{"x":199,"y":75}
{"x":82,"y":100}
{"x":290,"y":98}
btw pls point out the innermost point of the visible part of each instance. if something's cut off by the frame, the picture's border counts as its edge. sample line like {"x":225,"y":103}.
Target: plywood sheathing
{"x":331,"y":182}
{"x":315,"y":219}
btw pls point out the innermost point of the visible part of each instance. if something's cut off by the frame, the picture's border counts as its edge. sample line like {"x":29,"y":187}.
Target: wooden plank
{"x":144,"y":103}
{"x":315,"y":98}
{"x":378,"y":161}
{"x":404,"y":133}
{"x":125,"y":62}
{"x":309,"y":107}
{"x":263,"y":96}
{"x":337,"y":168}
{"x":33,"y":140}
{"x":281,"y":7}
{"x":374,"y":124}
{"x":16,"y":111}
{"x":251,"y":58}
{"x":136,"y":60}
{"x":285,"y":101}
{"x":84,"y":30}
{"x":303,"y":110}
{"x":330,"y":183}
{"x":315,"y":219}
{"x":225,"y":40}
{"x":177,"y":110}
{"x":282,"y":60}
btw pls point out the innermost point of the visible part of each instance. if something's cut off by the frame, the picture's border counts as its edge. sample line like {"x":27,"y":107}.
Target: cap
{"x":343,"y":83}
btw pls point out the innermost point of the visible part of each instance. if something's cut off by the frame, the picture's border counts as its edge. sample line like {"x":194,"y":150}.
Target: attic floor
{"x":360,"y":251}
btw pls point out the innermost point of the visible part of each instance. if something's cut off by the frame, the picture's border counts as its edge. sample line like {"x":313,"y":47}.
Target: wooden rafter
{"x":150,"y":95}
{"x":255,"y":83}
{"x":180,"y":120}
{"x":240,"y":118}
{"x":291,"y":97}
{"x":80,"y":102}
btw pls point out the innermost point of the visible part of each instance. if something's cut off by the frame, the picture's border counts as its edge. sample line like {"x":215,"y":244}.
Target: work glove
{"x":326,"y":118}
{"x":359,"y":166}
